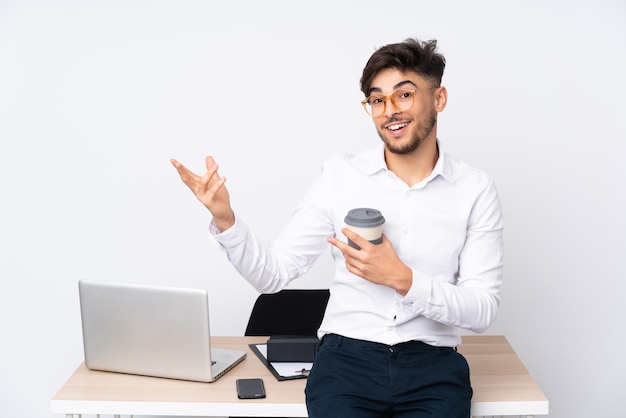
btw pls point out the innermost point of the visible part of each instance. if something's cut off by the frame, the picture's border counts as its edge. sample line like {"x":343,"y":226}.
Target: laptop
{"x":152,"y":331}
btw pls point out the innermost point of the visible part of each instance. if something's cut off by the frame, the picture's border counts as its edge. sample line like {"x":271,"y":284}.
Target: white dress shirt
{"x":447,"y":229}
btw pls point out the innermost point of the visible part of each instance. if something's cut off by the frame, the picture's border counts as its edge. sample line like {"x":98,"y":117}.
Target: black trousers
{"x":360,"y":379}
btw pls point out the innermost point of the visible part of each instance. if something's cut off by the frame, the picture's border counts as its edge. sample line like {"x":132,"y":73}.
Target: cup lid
{"x":364,"y":217}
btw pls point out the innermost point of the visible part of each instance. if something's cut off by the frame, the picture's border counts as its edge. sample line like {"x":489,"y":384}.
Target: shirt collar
{"x":442,"y":168}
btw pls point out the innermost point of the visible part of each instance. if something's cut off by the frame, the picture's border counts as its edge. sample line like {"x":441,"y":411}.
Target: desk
{"x":501,"y":383}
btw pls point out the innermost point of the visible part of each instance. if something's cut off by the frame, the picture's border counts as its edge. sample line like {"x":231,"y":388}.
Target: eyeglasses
{"x":401,"y":100}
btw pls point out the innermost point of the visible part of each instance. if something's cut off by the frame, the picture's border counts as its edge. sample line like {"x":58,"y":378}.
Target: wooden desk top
{"x":501,"y":383}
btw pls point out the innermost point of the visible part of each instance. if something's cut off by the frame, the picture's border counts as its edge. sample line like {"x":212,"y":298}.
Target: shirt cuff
{"x":232,"y":237}
{"x":419,"y":293}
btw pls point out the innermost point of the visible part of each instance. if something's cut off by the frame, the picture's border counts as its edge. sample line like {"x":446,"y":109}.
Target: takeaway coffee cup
{"x":366,"y":222}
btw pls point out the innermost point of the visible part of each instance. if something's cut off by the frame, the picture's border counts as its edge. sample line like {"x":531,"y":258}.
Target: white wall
{"x":97,"y":96}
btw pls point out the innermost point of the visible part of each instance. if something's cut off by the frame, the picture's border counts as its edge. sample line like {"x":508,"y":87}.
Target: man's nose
{"x":390,"y":107}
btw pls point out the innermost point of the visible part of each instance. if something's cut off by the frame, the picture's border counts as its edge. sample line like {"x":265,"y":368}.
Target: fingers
{"x":341,"y":246}
{"x":209,"y":189}
{"x":182,"y":170}
{"x":177,"y":165}
{"x":211,"y":181}
{"x":355,"y":238}
{"x":351,"y":256}
{"x":209,"y":161}
{"x":199,"y":184}
{"x":357,"y":260}
{"x":206,"y":184}
{"x":211,"y":166}
{"x":190,"y":179}
{"x":346,"y":248}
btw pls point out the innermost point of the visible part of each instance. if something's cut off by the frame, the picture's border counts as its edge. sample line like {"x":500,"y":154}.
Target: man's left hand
{"x":377,"y":263}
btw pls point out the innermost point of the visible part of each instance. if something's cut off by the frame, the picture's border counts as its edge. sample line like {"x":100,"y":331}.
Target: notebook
{"x":151,"y":330}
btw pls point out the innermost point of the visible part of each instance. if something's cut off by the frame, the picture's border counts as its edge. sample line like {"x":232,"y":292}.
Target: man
{"x":389,"y":332}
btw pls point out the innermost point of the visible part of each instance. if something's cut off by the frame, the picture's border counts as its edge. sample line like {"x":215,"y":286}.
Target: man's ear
{"x":441,"y":98}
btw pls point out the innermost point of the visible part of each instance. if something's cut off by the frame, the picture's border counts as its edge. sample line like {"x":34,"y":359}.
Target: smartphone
{"x":250,"y":388}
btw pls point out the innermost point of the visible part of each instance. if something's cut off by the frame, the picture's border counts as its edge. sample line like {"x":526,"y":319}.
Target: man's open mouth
{"x":394,"y":127}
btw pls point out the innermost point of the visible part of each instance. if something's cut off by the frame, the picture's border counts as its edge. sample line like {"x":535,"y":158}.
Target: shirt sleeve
{"x":470,"y":301}
{"x":269,"y":268}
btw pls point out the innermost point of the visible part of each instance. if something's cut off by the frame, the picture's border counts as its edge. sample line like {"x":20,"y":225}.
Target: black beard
{"x":422,"y":132}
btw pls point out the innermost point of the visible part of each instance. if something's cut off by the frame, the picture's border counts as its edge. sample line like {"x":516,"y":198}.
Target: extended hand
{"x":376,"y":263}
{"x":209,"y":189}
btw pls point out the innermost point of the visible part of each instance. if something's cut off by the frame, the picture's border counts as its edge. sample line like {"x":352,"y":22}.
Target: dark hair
{"x":410,"y":55}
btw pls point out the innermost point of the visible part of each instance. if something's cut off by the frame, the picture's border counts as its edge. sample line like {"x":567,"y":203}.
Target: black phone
{"x":250,"y":388}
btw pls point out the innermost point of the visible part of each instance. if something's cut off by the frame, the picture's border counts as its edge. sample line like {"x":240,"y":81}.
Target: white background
{"x":97,"y":96}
